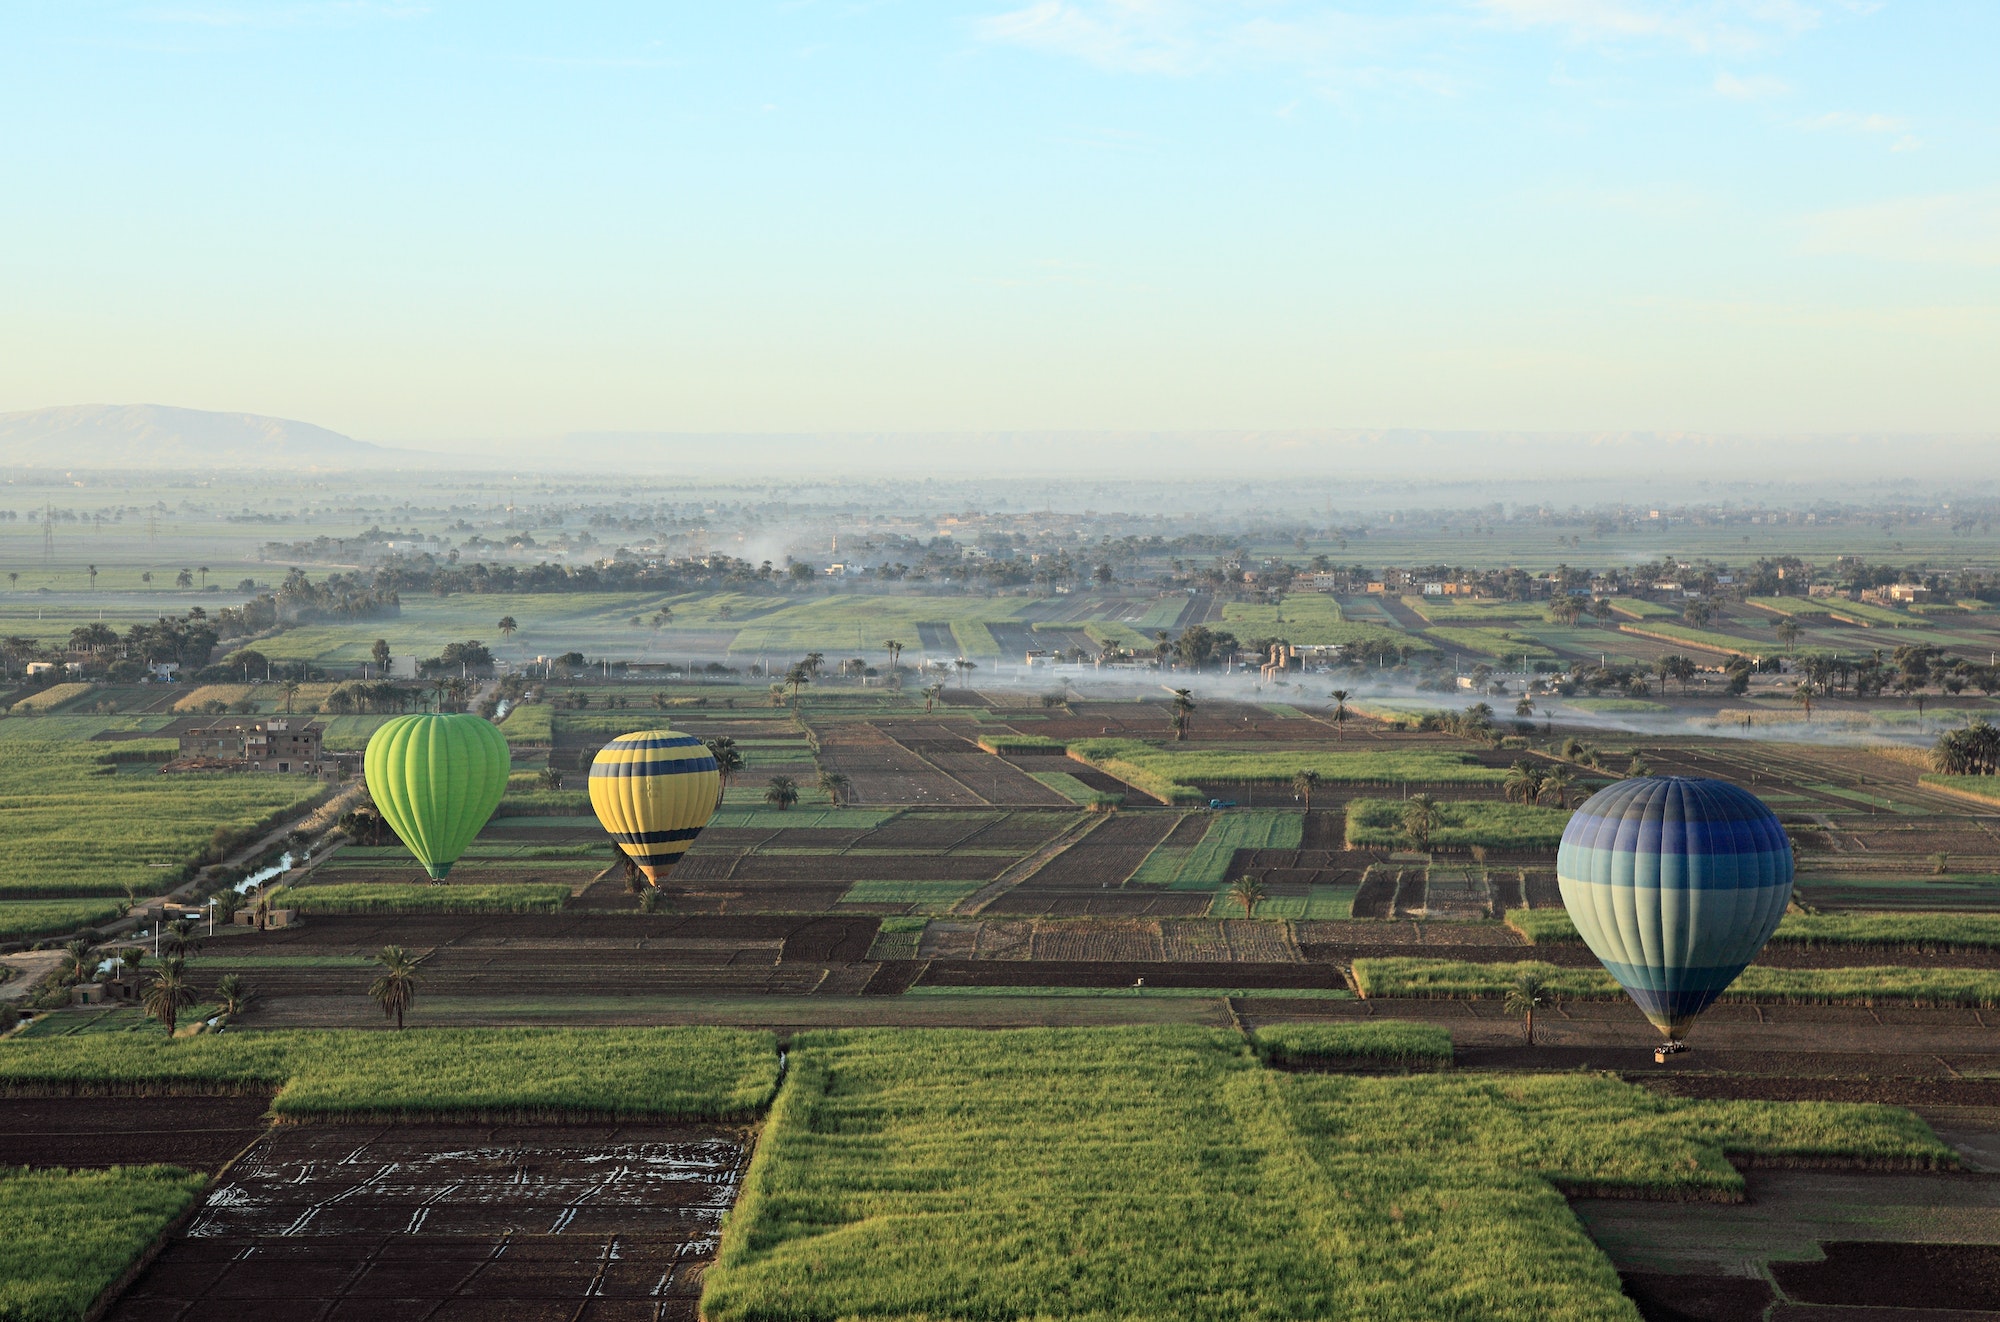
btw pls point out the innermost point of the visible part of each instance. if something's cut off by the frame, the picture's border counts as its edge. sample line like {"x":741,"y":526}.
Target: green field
{"x":1309,"y":619}
{"x":1171,"y":772}
{"x":1203,"y":865}
{"x":1464,"y":610}
{"x":680,"y":1073}
{"x":65,"y":1236}
{"x":924,"y":896}
{"x":1162,"y":1173}
{"x":1075,"y":790}
{"x":1378,"y":824}
{"x":1927,"y":932}
{"x":1638,"y":608}
{"x":1372,"y":1042}
{"x":1509,"y":645}
{"x":1614,"y":706}
{"x":417,"y":897}
{"x":1444,"y":979}
{"x":70,"y":827}
{"x":20,"y":919}
{"x":1702,"y":639}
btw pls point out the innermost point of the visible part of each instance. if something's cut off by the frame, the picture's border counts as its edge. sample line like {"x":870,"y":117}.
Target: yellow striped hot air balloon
{"x":654,"y":791}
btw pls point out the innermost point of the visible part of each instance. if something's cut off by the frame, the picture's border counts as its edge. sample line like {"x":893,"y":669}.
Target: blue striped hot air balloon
{"x":1675,"y":883}
{"x":654,"y":791}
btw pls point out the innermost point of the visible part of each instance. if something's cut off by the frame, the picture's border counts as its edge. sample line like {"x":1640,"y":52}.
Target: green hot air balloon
{"x":436,"y":779}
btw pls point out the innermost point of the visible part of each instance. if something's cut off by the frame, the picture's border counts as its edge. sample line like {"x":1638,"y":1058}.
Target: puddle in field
{"x":405,"y":1221}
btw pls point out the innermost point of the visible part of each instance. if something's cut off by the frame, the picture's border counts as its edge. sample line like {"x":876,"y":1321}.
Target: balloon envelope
{"x":436,"y":779}
{"x":1675,"y":884}
{"x":654,"y":791}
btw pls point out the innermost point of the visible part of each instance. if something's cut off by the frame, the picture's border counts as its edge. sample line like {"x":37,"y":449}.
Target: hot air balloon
{"x":654,"y":791}
{"x":436,"y":779}
{"x":1674,"y":883}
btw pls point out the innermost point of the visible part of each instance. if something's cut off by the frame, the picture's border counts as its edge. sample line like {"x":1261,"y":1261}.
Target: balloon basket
{"x":1666,"y":1049}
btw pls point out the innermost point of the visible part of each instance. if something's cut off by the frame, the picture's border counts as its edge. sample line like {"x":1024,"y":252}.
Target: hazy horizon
{"x":434,"y":225}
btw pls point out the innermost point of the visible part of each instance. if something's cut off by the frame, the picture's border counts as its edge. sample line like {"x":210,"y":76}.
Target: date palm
{"x":895,"y":651}
{"x":1303,"y":784}
{"x":290,"y":688}
{"x":834,"y":784}
{"x":232,"y":993}
{"x":1182,"y":711}
{"x":1248,"y":892}
{"x":1531,"y":991}
{"x":1420,"y":819}
{"x":1556,"y":786}
{"x":395,"y":988}
{"x":508,"y":624}
{"x":1340,"y":697}
{"x":168,"y":994}
{"x":1524,"y":781}
{"x":931,"y":694}
{"x":782,"y":792}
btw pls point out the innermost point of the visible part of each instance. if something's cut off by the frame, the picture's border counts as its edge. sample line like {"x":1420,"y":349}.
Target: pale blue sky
{"x":455,"y":220}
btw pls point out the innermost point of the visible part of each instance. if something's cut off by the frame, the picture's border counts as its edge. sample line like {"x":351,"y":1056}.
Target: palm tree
{"x":290,"y":688}
{"x":965,"y":669}
{"x":1340,"y":697}
{"x":93,"y":577}
{"x":833,"y":783}
{"x":168,"y":994}
{"x":396,"y":989}
{"x":508,"y":624}
{"x":77,"y":963}
{"x":1303,"y":784}
{"x":783,"y":792}
{"x":798,"y":677}
{"x":931,"y":695}
{"x":180,"y":935}
{"x":1788,"y":632}
{"x":1248,"y":892}
{"x":728,"y":761}
{"x":1803,"y":695}
{"x":895,"y":651}
{"x":1420,"y":818}
{"x":813,"y":662}
{"x":1182,"y":709}
{"x":203,"y":571}
{"x":1530,"y":992}
{"x":1556,"y":786}
{"x":1524,"y":781}
{"x":233,"y":993}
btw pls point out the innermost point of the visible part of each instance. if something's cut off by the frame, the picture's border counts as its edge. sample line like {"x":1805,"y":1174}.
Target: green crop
{"x":20,"y":919}
{"x":1019,"y":743}
{"x":70,"y":828}
{"x":1927,"y":932}
{"x":1075,"y":790}
{"x":1161,"y":1173}
{"x":684,"y":1073}
{"x":1378,"y":823}
{"x":1369,"y":1042}
{"x":1705,"y":639}
{"x":391,"y":897}
{"x":1445,"y":979}
{"x":1206,"y":864}
{"x":67,"y":1235}
{"x":1171,"y":773}
{"x":1506,"y":644}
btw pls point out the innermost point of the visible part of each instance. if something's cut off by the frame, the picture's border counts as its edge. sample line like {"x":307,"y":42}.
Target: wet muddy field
{"x":444,"y":1222}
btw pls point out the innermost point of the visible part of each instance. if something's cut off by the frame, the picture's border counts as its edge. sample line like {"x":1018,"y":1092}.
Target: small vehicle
{"x":1219,"y":804}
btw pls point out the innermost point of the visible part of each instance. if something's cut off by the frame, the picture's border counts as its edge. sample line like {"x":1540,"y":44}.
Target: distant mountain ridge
{"x":159,"y":436}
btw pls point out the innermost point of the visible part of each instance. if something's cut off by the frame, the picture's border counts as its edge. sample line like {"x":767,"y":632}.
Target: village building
{"x":255,"y":743}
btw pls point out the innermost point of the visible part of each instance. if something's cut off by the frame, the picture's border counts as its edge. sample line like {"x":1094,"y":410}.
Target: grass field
{"x":1309,"y":619}
{"x":1374,"y":1042}
{"x":1706,"y":640}
{"x":69,"y":827}
{"x":1444,"y":979}
{"x":67,"y":1235}
{"x":1172,"y":772}
{"x":1501,"y":644}
{"x":682,"y":1073}
{"x":1977,"y":787}
{"x":1927,"y":932}
{"x":1460,"y":610}
{"x":1161,"y":1173}
{"x":1378,"y":824}
{"x":1202,"y":866}
{"x":1638,"y":608}
{"x":1075,"y":790}
{"x":55,"y":695}
{"x":20,"y":919}
{"x":1613,"y":706}
{"x":1019,"y":743}
{"x":366,"y":897}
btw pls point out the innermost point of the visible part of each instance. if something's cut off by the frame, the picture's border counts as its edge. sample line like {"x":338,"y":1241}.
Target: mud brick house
{"x":256,"y":743}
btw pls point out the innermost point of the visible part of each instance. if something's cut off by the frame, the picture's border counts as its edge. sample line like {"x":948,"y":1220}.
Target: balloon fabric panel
{"x":653,"y":791}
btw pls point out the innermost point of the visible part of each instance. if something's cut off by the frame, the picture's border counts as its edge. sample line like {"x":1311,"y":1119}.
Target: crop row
{"x":1445,"y":979}
{"x":67,"y":1235}
{"x":1926,"y":932}
{"x":1378,"y":823}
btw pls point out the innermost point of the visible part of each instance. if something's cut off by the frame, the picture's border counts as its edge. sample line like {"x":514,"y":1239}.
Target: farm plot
{"x":989,"y":779}
{"x":1162,"y":1173}
{"x":426,"y":1220}
{"x":55,"y":801}
{"x":197,"y":1133}
{"x":1085,"y":877}
{"x":881,"y":771}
